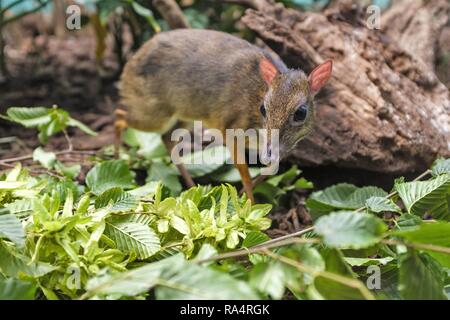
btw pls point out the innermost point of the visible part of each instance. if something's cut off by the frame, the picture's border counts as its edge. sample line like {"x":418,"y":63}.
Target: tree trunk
{"x":417,"y":26}
{"x":383,"y":110}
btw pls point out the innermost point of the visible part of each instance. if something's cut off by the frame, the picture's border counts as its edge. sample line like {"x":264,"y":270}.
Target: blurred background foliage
{"x":140,"y":19}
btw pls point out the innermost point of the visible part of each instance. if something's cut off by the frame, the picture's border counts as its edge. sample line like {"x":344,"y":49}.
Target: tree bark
{"x":417,"y":26}
{"x":384,"y":110}
{"x":172,"y":13}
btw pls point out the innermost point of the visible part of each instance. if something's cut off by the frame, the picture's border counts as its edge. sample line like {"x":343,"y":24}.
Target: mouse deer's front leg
{"x":238,"y":157}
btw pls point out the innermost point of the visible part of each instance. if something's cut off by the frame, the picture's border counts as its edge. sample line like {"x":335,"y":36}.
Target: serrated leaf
{"x":29,"y":117}
{"x":420,"y":278}
{"x":133,"y":237}
{"x":168,"y":176}
{"x":441,"y":166}
{"x":436,"y":233}
{"x":358,"y":262}
{"x":15,"y":289}
{"x":342,"y":197}
{"x":75,"y":123}
{"x":11,"y":227}
{"x":46,"y":159}
{"x":150,"y":143}
{"x":109,"y":174}
{"x":190,"y":281}
{"x":433,"y":196}
{"x":381,"y":204}
{"x":269,"y":278}
{"x":333,"y":290}
{"x":20,"y":208}
{"x":120,"y":200}
{"x":350,"y":230}
{"x":15,"y":265}
{"x":254,"y":238}
{"x":175,"y":279}
{"x":206,"y":161}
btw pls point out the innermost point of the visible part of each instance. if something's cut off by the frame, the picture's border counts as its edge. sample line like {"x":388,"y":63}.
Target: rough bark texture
{"x":384,"y":110}
{"x":172,"y":13}
{"x":417,"y":26}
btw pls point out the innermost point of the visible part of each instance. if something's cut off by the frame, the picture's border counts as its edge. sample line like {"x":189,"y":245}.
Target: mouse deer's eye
{"x":300,"y":114}
{"x":262,"y":109}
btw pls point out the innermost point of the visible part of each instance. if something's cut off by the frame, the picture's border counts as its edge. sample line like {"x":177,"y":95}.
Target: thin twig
{"x":63,"y":152}
{"x":349,"y":282}
{"x":258,"y":249}
{"x":69,"y":141}
{"x":421,"y":246}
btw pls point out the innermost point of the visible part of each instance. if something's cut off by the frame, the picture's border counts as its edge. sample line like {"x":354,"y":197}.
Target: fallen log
{"x":384,"y":109}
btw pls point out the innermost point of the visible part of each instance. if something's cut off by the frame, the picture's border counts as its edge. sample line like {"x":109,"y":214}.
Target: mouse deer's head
{"x":288,"y":104}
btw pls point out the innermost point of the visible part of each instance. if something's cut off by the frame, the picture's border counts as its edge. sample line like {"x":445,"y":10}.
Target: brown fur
{"x":211,"y":76}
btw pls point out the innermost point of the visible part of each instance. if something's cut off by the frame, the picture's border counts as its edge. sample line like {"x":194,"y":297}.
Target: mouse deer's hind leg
{"x":181,"y":167}
{"x":119,"y":125}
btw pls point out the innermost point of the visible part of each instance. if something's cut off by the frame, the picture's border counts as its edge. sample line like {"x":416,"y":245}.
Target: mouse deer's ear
{"x":320,"y":76}
{"x":268,"y":70}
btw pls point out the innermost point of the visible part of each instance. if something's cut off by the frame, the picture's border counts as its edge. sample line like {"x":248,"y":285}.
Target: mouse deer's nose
{"x":269,"y":151}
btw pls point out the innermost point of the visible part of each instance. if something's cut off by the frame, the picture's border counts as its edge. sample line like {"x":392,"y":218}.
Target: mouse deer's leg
{"x":238,"y":157}
{"x":119,"y":125}
{"x":181,"y":167}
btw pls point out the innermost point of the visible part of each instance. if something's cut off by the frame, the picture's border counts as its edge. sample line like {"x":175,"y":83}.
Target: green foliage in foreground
{"x":110,"y":238}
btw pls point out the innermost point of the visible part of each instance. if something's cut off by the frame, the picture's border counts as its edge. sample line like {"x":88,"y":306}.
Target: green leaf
{"x":75,"y":123}
{"x":302,"y":183}
{"x":175,"y":278}
{"x":29,"y":117}
{"x":254,"y":238}
{"x":341,"y":196}
{"x":131,"y":283}
{"x":231,"y":174}
{"x":203,"y":162}
{"x":133,"y":237}
{"x":380,"y":204}
{"x":15,"y":265}
{"x":20,"y":208}
{"x":269,"y":278}
{"x":14,"y":289}
{"x":420,"y":278}
{"x":358,"y":262}
{"x":191,"y":282}
{"x":120,"y":200}
{"x":11,"y":227}
{"x":46,"y":159}
{"x":333,"y":290}
{"x":408,"y":221}
{"x":168,"y":176}
{"x":147,"y":14}
{"x":441,"y":166}
{"x":350,"y":230}
{"x":436,"y":233}
{"x":150,"y":143}
{"x":433,"y":196}
{"x":109,"y":174}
